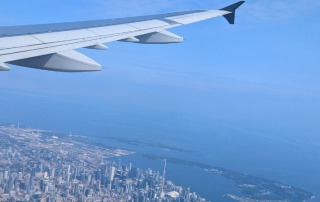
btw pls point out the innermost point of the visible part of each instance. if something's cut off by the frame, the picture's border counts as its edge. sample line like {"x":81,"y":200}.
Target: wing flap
{"x":18,"y":41}
{"x":64,"y":36}
{"x":113,"y":29}
{"x":148,"y":24}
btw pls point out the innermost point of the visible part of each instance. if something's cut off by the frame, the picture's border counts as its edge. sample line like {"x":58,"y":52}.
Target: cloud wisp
{"x":280,"y":10}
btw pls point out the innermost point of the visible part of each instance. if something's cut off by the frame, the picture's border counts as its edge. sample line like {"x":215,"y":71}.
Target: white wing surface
{"x":51,"y":46}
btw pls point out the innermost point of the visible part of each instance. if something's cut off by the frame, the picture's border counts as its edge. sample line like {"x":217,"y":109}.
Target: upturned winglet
{"x":232,"y":8}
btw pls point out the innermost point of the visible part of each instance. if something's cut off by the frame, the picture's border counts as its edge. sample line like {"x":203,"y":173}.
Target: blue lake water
{"x":256,"y":152}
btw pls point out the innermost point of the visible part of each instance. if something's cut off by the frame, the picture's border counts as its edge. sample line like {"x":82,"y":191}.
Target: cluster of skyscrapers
{"x":31,"y":173}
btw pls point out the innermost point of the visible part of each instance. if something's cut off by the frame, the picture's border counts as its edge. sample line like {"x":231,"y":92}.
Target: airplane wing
{"x":52,"y":46}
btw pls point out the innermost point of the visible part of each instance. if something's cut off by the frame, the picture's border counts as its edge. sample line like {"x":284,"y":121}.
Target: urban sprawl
{"x":36,"y":165}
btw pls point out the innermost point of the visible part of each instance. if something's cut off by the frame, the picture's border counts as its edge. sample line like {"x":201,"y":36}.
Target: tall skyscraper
{"x":89,"y":179}
{"x":20,"y":176}
{"x":111,"y":173}
{"x":1,"y":176}
{"x":41,"y":168}
{"x":68,"y":173}
{"x":163,"y":178}
{"x":130,"y":167}
{"x":69,"y":168}
{"x":6,"y":175}
{"x":53,"y":170}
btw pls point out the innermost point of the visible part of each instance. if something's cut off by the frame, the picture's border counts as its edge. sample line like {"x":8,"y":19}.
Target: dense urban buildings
{"x":37,"y":165}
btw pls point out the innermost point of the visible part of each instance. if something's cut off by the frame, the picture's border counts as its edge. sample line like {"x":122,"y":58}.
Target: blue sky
{"x":272,"y":51}
{"x":260,"y":76}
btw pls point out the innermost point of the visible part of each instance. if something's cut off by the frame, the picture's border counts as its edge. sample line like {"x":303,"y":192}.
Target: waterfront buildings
{"x":38,"y":166}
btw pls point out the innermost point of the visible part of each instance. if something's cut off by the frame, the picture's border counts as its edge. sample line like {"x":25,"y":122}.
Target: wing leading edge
{"x":51,"y":46}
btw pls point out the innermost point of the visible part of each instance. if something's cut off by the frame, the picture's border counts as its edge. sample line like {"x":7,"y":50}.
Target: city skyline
{"x":39,"y":166}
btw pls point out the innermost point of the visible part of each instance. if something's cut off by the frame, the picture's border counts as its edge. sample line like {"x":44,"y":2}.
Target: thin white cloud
{"x":274,"y":10}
